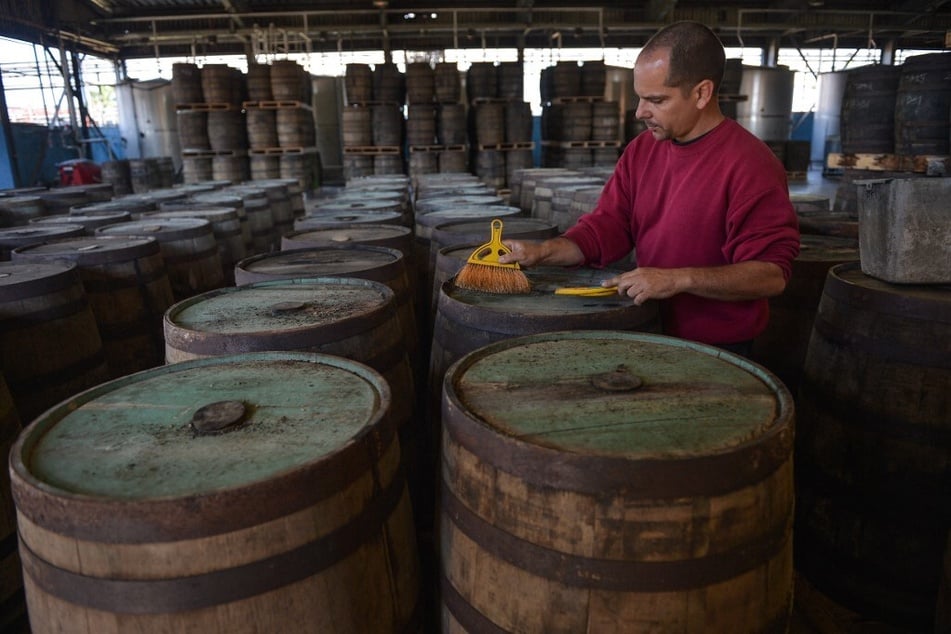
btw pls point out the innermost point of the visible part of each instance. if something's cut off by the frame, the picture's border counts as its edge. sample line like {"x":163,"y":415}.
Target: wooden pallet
{"x":578,"y":99}
{"x":519,"y":145}
{"x":437,"y":148}
{"x":932,"y":165}
{"x":372,"y":149}
{"x":212,"y":153}
{"x":369,"y":103}
{"x":277,"y":104}
{"x":581,"y":144}
{"x":278,"y":151}
{"x":206,"y":107}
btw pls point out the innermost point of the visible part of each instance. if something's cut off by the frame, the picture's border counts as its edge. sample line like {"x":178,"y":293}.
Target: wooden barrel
{"x":259,"y":82}
{"x":357,"y":126}
{"x":389,"y":84}
{"x":287,"y":80}
{"x":264,"y":166}
{"x":423,"y":162}
{"x":490,"y":123}
{"x":262,"y":128}
{"x":518,"y":122}
{"x":226,"y":227}
{"x":257,"y":209}
{"x":451,"y":124}
{"x":196,"y":169}
{"x":448,"y":202}
{"x":571,"y":202}
{"x":279,"y":204}
{"x":227,"y":130}
{"x":304,"y":169}
{"x":89,"y":221}
{"x":295,"y":128}
{"x":872,"y":446}
{"x":217,"y":84}
{"x":16,"y":211}
{"x":782,"y":346}
{"x":50,"y":347}
{"x":230,"y":200}
{"x":490,"y":168}
{"x":388,"y":164}
{"x":358,"y":84}
{"x":511,"y":81}
{"x":13,"y":616}
{"x":230,"y":168}
{"x":188,"y":247}
{"x":420,"y":124}
{"x":545,"y":188}
{"x":420,"y":83}
{"x":922,"y":105}
{"x":447,"y":83}
{"x":391,"y":236}
{"x":15,"y":237}
{"x":193,"y":130}
{"x":566,"y":79}
{"x":377,"y":264}
{"x":592,"y":485}
{"x":867,"y":122}
{"x":321,"y":219}
{"x":593,"y":74}
{"x":605,"y":121}
{"x":387,"y":124}
{"x":59,"y":200}
{"x":482,"y":81}
{"x":304,"y":475}
{"x":517,"y":160}
{"x":525,"y":184}
{"x":186,"y":83}
{"x":452,"y":161}
{"x":127,"y":288}
{"x":357,"y":166}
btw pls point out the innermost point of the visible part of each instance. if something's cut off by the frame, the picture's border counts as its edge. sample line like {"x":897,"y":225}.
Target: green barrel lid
{"x":616,"y":394}
{"x":152,"y":435}
{"x":280,"y":306}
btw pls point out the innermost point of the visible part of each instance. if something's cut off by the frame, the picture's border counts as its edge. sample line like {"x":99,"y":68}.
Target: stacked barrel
{"x":280,"y":124}
{"x":500,"y":122}
{"x":373,"y":121}
{"x":579,"y":127}
{"x":436,"y":132}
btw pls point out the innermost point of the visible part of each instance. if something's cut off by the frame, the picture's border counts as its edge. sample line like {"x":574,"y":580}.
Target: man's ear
{"x":704,"y":92}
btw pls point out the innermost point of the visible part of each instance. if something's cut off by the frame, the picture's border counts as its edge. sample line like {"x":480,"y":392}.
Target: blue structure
{"x":40,"y":149}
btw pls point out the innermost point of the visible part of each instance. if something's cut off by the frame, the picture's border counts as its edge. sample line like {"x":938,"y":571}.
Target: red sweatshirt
{"x":720,"y":199}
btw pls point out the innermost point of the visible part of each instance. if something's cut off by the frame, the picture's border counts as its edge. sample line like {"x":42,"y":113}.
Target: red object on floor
{"x":79,"y":172}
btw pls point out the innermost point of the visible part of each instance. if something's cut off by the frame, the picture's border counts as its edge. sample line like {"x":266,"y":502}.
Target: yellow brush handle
{"x":587,"y":291}
{"x":489,"y":252}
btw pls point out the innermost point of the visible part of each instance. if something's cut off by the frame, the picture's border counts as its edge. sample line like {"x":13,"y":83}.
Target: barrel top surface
{"x":937,"y":296}
{"x":328,"y":217}
{"x":815,"y":248}
{"x":36,"y":232}
{"x":279,"y":306}
{"x":133,"y":438}
{"x":321,"y":261}
{"x":381,"y":204}
{"x":13,"y":274}
{"x":350,"y":234}
{"x":626,"y":395}
{"x":87,"y":245}
{"x":512,"y":226}
{"x":212,"y":214}
{"x":542,"y":299}
{"x":155,"y":226}
{"x":462,"y":212}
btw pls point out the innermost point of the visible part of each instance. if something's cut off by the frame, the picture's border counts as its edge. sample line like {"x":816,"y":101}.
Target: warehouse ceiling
{"x":121,"y":29}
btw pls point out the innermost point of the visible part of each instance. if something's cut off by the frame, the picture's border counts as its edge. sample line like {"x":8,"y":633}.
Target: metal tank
{"x":767,"y":111}
{"x":825,"y":127}
{"x":147,"y":119}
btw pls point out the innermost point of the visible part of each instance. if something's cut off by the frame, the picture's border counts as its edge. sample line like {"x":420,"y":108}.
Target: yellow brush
{"x":587,"y":291}
{"x":483,"y":271}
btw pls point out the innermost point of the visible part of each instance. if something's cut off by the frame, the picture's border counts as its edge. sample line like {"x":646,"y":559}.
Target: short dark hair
{"x":696,"y":53}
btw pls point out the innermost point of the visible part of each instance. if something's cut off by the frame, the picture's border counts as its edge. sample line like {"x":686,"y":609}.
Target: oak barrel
{"x":872,"y":444}
{"x":13,"y":617}
{"x":248,"y":493}
{"x":612,"y":481}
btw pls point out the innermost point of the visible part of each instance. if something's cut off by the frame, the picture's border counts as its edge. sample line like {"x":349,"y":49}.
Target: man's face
{"x":668,"y":113}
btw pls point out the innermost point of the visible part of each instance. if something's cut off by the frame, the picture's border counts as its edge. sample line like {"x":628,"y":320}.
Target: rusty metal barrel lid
{"x":602,"y":411}
{"x":172,"y":450}
{"x":233,"y":317}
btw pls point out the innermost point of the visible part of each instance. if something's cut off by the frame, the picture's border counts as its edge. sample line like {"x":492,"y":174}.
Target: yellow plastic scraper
{"x":587,"y":291}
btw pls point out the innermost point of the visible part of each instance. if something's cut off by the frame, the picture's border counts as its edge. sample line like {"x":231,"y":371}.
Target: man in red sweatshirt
{"x":703,"y":201}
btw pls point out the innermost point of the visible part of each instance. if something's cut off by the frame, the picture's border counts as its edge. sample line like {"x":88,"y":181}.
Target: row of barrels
{"x":303,"y":168}
{"x":569,"y":79}
{"x":425,"y":83}
{"x":898,"y":109}
{"x":256,"y":128}
{"x":490,"y":471}
{"x":280,"y":80}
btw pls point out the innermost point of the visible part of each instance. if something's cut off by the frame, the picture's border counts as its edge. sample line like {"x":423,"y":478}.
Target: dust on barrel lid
{"x":288,"y":313}
{"x":600,"y":411}
{"x":200,"y":447}
{"x":323,"y":261}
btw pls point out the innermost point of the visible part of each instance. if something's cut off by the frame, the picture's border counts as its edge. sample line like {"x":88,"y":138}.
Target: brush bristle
{"x":493,"y":279}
